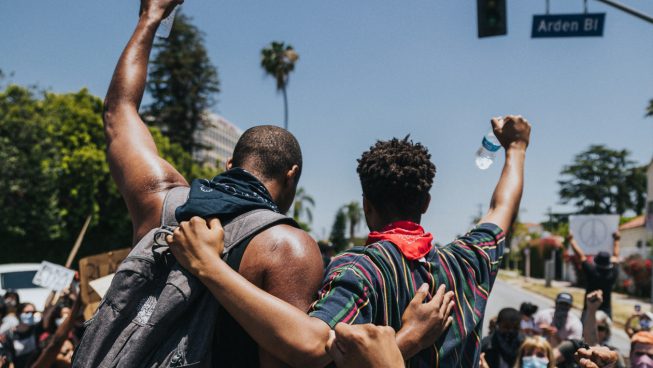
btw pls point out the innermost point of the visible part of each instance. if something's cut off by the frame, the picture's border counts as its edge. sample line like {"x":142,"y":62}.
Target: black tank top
{"x":234,"y":347}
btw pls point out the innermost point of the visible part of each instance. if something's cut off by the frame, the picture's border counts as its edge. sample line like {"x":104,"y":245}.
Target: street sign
{"x":568,"y":25}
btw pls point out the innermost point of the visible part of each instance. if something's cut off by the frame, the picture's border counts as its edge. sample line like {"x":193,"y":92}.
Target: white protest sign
{"x":593,"y":233}
{"x":52,"y":276}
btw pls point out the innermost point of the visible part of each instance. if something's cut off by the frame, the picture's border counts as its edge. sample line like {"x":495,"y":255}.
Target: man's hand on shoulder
{"x":363,"y":346}
{"x":424,"y":323}
{"x":197,"y":244}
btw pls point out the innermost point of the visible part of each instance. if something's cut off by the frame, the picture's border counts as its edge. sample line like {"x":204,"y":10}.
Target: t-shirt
{"x":375,"y":283}
{"x":602,"y":279}
{"x":573,"y":328}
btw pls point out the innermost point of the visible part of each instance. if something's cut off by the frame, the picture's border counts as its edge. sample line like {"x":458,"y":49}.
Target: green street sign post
{"x":568,"y":25}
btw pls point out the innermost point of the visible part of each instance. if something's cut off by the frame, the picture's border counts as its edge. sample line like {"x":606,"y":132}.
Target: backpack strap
{"x":251,"y":223}
{"x":174,"y":198}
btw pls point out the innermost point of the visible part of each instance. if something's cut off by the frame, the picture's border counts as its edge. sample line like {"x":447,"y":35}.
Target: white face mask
{"x":59,"y":321}
{"x":533,"y":361}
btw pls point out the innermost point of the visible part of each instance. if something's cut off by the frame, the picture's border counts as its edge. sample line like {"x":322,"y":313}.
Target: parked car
{"x":18,"y":277}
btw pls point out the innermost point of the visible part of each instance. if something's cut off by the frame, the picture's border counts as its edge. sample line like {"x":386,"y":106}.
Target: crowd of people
{"x":399,"y":299}
{"x":39,"y":339}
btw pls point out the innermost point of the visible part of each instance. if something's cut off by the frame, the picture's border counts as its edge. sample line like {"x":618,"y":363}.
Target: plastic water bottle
{"x":488,"y":150}
{"x":166,"y":24}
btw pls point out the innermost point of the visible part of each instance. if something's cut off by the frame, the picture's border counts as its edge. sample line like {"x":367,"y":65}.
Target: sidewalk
{"x":623,"y":305}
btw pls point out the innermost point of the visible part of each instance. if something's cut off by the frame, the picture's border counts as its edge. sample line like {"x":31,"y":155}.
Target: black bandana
{"x":226,"y":196}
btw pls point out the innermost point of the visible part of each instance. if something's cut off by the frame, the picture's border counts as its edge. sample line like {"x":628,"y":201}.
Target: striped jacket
{"x":375,"y":283}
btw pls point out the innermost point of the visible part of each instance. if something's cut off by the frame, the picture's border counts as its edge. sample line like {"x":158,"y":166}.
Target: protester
{"x":558,"y":324}
{"x":501,"y":346}
{"x":10,"y":319}
{"x":57,"y":349}
{"x":535,"y":352}
{"x":644,"y":322}
{"x":602,"y":273}
{"x":598,"y":357}
{"x":5,"y":357}
{"x":641,"y":350}
{"x":527,"y":324}
{"x":265,"y":170}
{"x":597,"y":325}
{"x":360,"y":286}
{"x":24,"y":336}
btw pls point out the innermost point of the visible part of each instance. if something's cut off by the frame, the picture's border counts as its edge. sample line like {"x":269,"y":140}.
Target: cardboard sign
{"x":593,"y":233}
{"x":94,"y":267}
{"x":101,"y":285}
{"x":52,"y":276}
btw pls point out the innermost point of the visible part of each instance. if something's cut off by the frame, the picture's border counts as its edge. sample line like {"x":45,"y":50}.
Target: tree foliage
{"x":601,"y":180}
{"x":182,"y":82}
{"x":649,"y":110}
{"x":354,"y":213}
{"x":278,"y":61}
{"x":302,"y":208}
{"x":55,"y":174}
{"x":338,"y":230}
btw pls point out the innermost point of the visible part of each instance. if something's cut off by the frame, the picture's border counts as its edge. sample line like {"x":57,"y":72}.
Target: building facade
{"x":219,"y":137}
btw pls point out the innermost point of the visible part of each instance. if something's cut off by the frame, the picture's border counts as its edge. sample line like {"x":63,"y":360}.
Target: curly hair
{"x":396,"y":176}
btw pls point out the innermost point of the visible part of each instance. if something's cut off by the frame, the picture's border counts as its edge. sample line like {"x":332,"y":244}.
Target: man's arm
{"x":514,"y":133}
{"x":576,"y":248}
{"x":276,"y":326}
{"x":590,"y":331}
{"x":364,"y":346}
{"x":141,"y":174}
{"x":616,"y":239}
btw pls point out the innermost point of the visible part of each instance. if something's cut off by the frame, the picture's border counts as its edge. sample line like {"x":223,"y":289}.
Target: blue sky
{"x":377,"y":69}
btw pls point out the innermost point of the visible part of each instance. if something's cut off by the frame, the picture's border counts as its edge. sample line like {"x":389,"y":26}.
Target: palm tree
{"x":278,"y":60}
{"x":303,"y":205}
{"x":354,"y":214}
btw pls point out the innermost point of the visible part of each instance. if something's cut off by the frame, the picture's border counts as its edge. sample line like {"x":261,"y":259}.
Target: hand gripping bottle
{"x":488,"y":150}
{"x":166,"y":24}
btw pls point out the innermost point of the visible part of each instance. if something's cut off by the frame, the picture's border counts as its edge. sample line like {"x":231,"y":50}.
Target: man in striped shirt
{"x":375,"y":283}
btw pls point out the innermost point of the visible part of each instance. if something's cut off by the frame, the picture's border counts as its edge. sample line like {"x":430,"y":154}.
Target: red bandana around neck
{"x":408,"y":236}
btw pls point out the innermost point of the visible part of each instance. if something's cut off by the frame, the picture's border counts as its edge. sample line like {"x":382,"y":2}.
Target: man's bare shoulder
{"x":286,"y":262}
{"x":285,"y":241}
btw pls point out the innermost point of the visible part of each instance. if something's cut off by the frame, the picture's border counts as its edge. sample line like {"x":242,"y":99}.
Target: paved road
{"x":507,"y":295}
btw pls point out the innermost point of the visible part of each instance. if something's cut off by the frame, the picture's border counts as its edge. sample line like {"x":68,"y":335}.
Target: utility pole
{"x":631,"y":11}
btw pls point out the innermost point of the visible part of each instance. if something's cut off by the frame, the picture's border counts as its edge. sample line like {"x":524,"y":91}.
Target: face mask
{"x":641,"y":361}
{"x":534,"y":362}
{"x":30,"y":319}
{"x":59,"y":321}
{"x":27,"y":318}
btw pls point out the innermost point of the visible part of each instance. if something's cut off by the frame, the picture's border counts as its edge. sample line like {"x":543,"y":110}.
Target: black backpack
{"x":155,"y":313}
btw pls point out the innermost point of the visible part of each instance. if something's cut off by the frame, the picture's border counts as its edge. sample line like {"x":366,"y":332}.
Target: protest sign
{"x":101,"y":285}
{"x":52,"y":276}
{"x":92,"y":268}
{"x":593,"y":233}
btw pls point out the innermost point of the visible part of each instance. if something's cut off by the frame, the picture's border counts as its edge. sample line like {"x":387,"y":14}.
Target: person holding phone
{"x":645,"y":320}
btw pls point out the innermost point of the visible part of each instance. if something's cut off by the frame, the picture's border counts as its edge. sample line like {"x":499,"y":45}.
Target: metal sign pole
{"x":628,"y":10}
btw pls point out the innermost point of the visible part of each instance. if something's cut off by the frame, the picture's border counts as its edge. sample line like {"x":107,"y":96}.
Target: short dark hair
{"x":268,"y":149}
{"x":510,"y":315}
{"x":396,"y":176}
